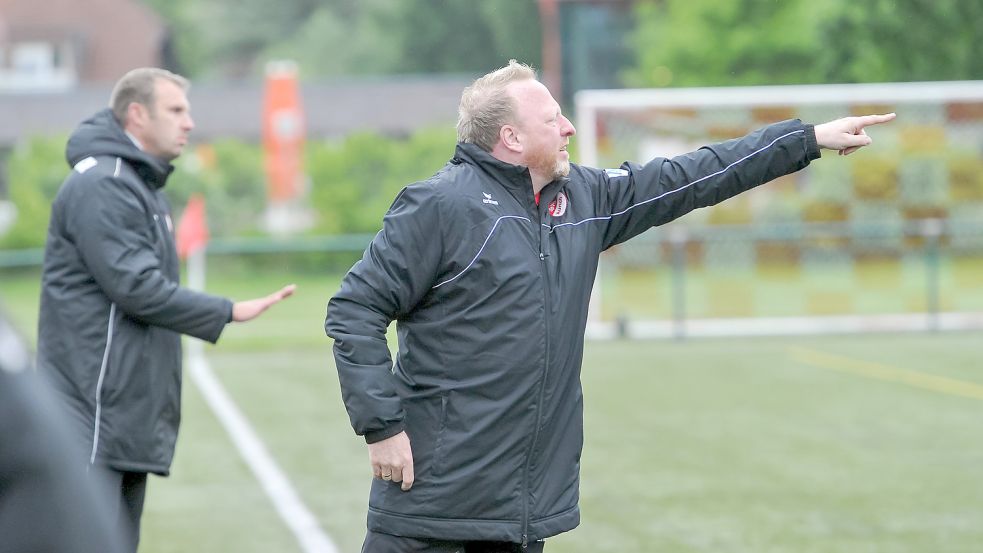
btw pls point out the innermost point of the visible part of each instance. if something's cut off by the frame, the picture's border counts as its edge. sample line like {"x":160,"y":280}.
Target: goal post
{"x":914,"y":198}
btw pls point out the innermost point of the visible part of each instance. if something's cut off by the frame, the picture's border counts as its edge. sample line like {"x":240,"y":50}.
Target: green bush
{"x":35,"y":170}
{"x":355,"y":181}
{"x":352,"y":182}
{"x":229,"y":174}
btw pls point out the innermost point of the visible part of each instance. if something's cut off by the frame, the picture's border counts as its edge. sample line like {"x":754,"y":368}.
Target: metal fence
{"x":679,"y":281}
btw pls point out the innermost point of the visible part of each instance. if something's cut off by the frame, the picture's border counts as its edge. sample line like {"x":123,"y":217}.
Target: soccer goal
{"x":888,"y":239}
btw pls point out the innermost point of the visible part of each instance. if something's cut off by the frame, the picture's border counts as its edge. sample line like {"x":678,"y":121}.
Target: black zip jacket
{"x":489,"y":293}
{"x":112,"y":308}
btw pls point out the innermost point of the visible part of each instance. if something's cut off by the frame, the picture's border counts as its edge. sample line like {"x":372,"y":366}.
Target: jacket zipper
{"x":542,"y":387}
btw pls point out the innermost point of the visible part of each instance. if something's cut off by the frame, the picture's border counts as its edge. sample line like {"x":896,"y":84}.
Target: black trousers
{"x":126,"y":491}
{"x":377,"y":542}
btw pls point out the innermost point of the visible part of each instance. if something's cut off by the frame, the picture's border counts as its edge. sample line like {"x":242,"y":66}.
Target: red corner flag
{"x":192,"y":230}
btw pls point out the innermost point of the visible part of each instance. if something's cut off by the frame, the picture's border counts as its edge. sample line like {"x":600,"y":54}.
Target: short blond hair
{"x":138,"y":86}
{"x":485,"y":106}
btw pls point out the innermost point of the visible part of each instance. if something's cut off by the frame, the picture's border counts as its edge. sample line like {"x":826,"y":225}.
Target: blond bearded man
{"x":475,"y":430}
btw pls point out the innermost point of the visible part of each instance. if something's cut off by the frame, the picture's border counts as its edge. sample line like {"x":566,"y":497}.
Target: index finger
{"x":866,"y":120}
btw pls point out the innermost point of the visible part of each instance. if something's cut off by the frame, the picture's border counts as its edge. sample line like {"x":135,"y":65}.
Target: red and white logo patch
{"x":559,"y":206}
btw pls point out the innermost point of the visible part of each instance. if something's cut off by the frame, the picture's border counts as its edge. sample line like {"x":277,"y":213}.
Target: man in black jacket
{"x":112,"y":308}
{"x":475,"y":431}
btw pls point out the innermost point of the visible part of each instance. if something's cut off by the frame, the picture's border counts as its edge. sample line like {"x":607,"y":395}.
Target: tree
{"x":757,"y":42}
{"x":739,"y":42}
{"x":234,"y":38}
{"x":461,"y":35}
{"x":903,"y":40}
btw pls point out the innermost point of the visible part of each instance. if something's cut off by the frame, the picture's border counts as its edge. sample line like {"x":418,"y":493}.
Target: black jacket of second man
{"x":112,"y":309}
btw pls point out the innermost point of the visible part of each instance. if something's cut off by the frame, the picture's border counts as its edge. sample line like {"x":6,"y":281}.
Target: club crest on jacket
{"x":559,"y":205}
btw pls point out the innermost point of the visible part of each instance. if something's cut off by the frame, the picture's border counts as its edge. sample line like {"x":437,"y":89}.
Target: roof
{"x":103,"y":37}
{"x":394,"y":106}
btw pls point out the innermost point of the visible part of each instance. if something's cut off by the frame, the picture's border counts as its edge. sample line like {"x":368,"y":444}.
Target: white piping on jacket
{"x":485,"y":243}
{"x":119,"y":163}
{"x":102,"y":376}
{"x":684,"y":187}
{"x":622,"y":212}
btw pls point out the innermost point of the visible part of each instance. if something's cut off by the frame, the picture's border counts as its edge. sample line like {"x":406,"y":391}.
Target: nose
{"x":189,"y":123}
{"x":567,"y":127}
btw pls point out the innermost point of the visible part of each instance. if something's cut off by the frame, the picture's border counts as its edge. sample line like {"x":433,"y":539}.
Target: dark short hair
{"x":138,"y":86}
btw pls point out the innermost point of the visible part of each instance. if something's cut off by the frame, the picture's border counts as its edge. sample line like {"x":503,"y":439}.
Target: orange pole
{"x":283,"y":133}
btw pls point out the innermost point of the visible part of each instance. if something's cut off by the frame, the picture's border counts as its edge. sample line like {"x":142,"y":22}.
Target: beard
{"x":546,"y":162}
{"x":562,"y":168}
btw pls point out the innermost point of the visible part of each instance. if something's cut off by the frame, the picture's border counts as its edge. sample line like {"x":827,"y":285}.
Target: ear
{"x":136,"y":115}
{"x":509,"y":137}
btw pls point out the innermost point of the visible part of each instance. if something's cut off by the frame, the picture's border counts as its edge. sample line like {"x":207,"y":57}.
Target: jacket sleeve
{"x":121,"y":245}
{"x":640,"y":196}
{"x":396,"y":271}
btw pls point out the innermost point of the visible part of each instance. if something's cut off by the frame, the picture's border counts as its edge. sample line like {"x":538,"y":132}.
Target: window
{"x":34,"y":59}
{"x":37,"y":65}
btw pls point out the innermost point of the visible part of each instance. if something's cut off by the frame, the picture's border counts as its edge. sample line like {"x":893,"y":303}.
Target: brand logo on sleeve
{"x":488,"y":199}
{"x":559,"y":205}
{"x":616,"y":172}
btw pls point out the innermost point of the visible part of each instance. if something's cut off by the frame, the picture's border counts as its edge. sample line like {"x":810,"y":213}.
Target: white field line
{"x":288,"y":504}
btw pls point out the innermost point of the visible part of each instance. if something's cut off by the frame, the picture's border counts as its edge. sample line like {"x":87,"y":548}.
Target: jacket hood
{"x":101,"y":135}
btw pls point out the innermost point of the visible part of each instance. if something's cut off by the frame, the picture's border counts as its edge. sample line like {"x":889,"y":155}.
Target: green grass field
{"x":814,"y":444}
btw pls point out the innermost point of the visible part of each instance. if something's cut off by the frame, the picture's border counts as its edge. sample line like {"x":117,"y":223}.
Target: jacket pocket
{"x":126,"y":359}
{"x":438,"y":446}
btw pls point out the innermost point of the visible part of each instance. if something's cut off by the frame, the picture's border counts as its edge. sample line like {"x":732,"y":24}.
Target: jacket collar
{"x":515,"y":178}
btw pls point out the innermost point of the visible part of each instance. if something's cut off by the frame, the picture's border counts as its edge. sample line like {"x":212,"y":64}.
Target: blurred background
{"x":312,"y":114}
